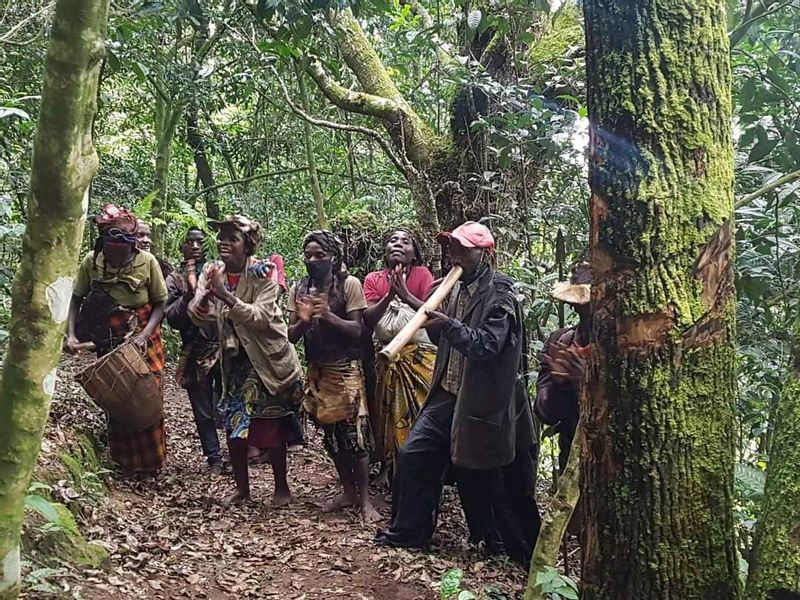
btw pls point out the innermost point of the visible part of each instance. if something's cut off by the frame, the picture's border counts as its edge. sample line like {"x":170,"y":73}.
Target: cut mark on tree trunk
{"x":10,"y":570}
{"x":59,"y":295}
{"x":794,"y":534}
{"x":49,"y":382}
{"x":713,"y":268}
{"x":699,"y":156}
{"x":645,"y":331}
{"x":706,"y":332}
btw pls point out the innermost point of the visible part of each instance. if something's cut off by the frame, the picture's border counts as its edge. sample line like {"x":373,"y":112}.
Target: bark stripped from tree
{"x":776,"y":553}
{"x":659,"y":430}
{"x":64,"y":162}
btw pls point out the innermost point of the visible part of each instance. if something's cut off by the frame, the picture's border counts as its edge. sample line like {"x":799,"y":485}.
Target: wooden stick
{"x":421,"y":317}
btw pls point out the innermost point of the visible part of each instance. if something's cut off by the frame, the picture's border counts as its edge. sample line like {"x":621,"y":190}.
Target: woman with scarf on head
{"x":120,"y":292}
{"x":325,"y":310}
{"x":260,"y":369}
{"x":394,"y":294}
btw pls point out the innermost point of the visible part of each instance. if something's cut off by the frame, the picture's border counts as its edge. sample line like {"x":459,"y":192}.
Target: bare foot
{"x":234,"y":499}
{"x":281,"y":498}
{"x":338,"y":503}
{"x":368,"y":512}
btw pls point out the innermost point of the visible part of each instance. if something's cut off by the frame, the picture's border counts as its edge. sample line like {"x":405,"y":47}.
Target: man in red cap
{"x":477,"y":417}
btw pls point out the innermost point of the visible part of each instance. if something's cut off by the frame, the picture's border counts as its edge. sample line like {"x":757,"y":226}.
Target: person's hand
{"x":305,"y":308}
{"x":566,"y":365}
{"x":140,"y":340}
{"x":436,"y":319}
{"x":216,"y":281}
{"x":72,"y":345}
{"x":399,"y":286}
{"x":321,"y":309}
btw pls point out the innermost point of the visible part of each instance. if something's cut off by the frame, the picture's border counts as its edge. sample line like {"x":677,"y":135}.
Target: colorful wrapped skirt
{"x":401,"y":390}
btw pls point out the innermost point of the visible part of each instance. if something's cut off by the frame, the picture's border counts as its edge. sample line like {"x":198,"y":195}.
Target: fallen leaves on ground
{"x":168,"y":538}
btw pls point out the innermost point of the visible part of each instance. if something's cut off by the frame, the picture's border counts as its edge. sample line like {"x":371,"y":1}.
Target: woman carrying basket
{"x":119,"y":296}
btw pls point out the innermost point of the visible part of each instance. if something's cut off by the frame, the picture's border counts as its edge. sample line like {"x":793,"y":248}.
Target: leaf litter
{"x":168,"y":537}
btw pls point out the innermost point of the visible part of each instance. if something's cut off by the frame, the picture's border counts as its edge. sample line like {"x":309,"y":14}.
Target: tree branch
{"x":402,"y":164}
{"x":244,"y":180}
{"x":349,"y":100}
{"x":445,"y":58}
{"x":759,"y":12}
{"x":6,"y":37}
{"x":766,"y":189}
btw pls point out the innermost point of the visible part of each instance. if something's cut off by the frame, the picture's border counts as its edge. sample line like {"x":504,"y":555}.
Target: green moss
{"x":776,"y":552}
{"x":68,"y":543}
{"x":565,"y":32}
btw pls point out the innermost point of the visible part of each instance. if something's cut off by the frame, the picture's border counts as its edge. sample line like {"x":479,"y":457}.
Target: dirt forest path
{"x":169,"y":538}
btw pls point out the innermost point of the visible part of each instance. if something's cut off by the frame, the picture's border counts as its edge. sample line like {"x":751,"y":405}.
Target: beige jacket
{"x":259,"y":325}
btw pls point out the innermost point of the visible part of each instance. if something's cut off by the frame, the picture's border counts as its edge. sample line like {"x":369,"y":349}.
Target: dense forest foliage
{"x":364,"y":116}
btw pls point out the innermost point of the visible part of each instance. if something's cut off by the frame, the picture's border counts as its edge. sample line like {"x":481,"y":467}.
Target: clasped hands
{"x":566,"y":365}
{"x":312,"y":307}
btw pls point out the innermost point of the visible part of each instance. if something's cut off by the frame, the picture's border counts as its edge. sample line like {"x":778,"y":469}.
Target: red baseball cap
{"x":470,"y":235}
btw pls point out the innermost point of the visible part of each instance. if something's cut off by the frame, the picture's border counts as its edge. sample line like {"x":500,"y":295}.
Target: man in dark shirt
{"x":563,"y":362}
{"x":477,"y":417}
{"x":197,"y":369}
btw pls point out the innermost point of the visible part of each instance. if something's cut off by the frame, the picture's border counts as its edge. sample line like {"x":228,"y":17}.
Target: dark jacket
{"x":177,"y":312}
{"x":493,"y":418}
{"x":555,"y":404}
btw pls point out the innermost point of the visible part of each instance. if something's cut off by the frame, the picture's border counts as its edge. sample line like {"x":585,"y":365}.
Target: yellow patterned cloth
{"x":401,"y":391}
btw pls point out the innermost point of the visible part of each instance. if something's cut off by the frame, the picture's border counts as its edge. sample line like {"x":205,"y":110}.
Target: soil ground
{"x":169,"y":538}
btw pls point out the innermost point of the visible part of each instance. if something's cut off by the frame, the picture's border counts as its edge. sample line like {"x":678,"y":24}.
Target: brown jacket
{"x":258,"y":322}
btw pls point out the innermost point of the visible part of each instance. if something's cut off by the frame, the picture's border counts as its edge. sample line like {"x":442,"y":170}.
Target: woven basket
{"x":122,"y":384}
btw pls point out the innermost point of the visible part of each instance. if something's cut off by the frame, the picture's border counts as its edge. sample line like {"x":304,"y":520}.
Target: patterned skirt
{"x":402,"y":388}
{"x":251,"y":412}
{"x":138,"y":451}
{"x":336,"y":399}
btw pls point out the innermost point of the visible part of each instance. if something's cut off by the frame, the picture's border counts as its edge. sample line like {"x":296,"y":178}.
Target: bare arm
{"x":374,"y":312}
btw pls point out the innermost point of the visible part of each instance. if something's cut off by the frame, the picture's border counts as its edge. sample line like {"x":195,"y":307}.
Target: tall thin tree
{"x":658,"y":420}
{"x":64,"y":162}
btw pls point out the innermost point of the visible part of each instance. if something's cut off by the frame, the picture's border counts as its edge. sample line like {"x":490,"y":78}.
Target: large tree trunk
{"x":776,"y":552}
{"x":311,"y":163}
{"x":167,"y":117}
{"x":64,"y":162}
{"x":659,"y":437}
{"x":205,"y":174}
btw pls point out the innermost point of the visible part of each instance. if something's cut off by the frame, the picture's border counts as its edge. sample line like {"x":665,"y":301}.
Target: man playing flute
{"x":477,"y":417}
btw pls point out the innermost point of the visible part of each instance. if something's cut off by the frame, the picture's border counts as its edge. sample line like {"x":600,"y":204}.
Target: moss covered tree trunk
{"x":64,"y":162}
{"x":776,"y":553}
{"x":308,"y":142}
{"x":659,"y":430}
{"x":167,"y":117}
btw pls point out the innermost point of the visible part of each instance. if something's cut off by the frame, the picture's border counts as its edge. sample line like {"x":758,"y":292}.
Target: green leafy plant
{"x":450,"y":586}
{"x":556,"y":585}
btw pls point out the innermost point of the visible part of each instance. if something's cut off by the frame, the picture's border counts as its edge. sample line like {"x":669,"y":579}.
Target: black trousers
{"x":498,"y":503}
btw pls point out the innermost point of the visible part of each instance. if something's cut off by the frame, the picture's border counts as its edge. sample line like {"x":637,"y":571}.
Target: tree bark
{"x":205,"y":173}
{"x":313,"y":176}
{"x":64,"y":162}
{"x":776,"y":551}
{"x":555,"y":523}
{"x":659,"y":446}
{"x":167,"y":118}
